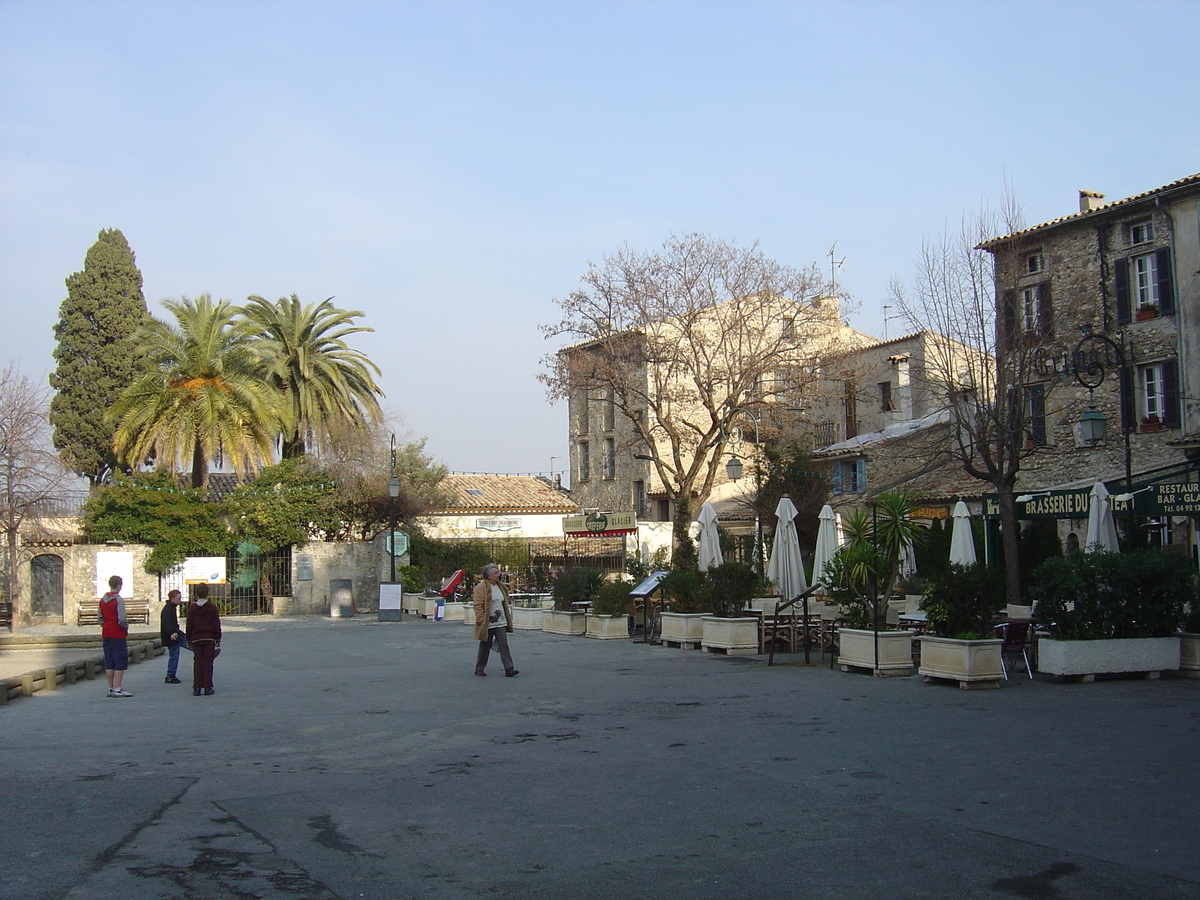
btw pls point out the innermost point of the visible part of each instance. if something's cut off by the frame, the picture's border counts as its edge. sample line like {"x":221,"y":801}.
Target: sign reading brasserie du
{"x":1175,"y":499}
{"x":601,"y":524}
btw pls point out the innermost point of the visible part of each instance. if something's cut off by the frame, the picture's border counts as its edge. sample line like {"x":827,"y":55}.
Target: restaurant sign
{"x":601,"y":524}
{"x":1176,"y":499}
{"x":498,"y":524}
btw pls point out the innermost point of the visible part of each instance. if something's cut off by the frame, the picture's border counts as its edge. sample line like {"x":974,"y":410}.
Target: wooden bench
{"x":135,"y":611}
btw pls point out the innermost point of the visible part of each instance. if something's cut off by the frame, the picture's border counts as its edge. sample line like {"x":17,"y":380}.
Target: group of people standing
{"x":202,"y":636}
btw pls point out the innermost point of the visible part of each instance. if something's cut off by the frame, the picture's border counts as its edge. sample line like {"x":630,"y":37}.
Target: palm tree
{"x":327,"y":387}
{"x":203,"y":393}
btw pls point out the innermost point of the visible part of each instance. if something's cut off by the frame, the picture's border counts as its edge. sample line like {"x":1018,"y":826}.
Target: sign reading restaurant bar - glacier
{"x":601,"y":524}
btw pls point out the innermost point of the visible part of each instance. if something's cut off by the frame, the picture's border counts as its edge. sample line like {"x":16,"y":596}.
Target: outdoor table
{"x":917,"y":621}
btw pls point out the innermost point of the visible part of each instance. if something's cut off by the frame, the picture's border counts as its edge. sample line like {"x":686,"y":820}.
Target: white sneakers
{"x":118,"y":692}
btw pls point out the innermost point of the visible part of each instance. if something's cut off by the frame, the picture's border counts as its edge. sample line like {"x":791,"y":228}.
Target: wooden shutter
{"x":1008,"y":320}
{"x":1037,"y":414}
{"x":1045,"y":313}
{"x":1121,"y":279}
{"x":1170,"y":389}
{"x":1128,"y":413}
{"x":836,"y":478}
{"x":1166,"y":286}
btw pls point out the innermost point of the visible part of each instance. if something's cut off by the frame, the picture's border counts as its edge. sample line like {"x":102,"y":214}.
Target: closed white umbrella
{"x":786,"y":569}
{"x":962,"y":543}
{"x":829,"y":539}
{"x":710,"y":541}
{"x":1101,"y":529}
{"x":908,"y":559}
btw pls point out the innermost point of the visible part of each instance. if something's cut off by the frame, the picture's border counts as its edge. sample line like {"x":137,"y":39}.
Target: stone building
{"x":1110,"y":295}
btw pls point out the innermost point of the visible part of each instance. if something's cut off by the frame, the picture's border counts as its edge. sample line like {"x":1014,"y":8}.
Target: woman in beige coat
{"x":493,"y":620}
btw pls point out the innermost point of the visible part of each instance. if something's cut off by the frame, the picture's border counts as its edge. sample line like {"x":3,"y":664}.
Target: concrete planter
{"x":1087,"y":659}
{"x":734,"y":637}
{"x":469,"y":613}
{"x":680,"y":629}
{"x":856,"y":650}
{"x":456,"y":612}
{"x":607,"y":628}
{"x":973,"y":664}
{"x":528,"y":618}
{"x":428,"y":607}
{"x":1189,"y":655}
{"x":411,"y":603}
{"x":558,"y":622}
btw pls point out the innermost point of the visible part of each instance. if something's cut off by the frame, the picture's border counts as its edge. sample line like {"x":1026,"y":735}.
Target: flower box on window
{"x":1151,"y":423}
{"x":1146,"y":312}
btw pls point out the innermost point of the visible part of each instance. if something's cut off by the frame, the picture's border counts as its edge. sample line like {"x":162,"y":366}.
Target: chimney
{"x":1089,"y":200}
{"x":558,"y":481}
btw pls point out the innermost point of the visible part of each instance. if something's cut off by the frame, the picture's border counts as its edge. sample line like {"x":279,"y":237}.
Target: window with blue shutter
{"x":1121,"y":279}
{"x":1170,"y":390}
{"x":1166,"y":287}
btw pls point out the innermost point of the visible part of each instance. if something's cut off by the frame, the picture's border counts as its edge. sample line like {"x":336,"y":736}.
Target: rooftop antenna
{"x":834,"y":265}
{"x":886,"y":307}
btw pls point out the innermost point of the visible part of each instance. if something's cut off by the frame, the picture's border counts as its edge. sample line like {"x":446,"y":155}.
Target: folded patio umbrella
{"x":962,"y":543}
{"x":710,"y":541}
{"x":786,"y":568}
{"x":829,"y":539}
{"x":1101,"y":529}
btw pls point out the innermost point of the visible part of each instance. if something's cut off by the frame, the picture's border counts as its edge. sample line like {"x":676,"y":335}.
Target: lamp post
{"x":733,"y":468}
{"x":1092,"y":424}
{"x":393,"y":493}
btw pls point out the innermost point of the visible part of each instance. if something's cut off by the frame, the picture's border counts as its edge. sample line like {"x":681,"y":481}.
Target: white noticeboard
{"x":114,"y":562}
{"x":204,"y":570}
{"x":389,"y":596}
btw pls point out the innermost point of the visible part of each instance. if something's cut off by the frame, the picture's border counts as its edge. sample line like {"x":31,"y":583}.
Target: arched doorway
{"x":46,"y":587}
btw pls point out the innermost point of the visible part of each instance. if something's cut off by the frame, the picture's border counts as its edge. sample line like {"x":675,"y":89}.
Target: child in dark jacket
{"x":204,"y":637}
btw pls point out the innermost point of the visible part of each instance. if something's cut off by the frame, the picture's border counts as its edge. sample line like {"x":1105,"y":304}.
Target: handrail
{"x":782,"y":605}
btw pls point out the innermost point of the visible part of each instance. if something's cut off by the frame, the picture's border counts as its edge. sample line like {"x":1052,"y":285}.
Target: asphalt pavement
{"x":347,"y":758}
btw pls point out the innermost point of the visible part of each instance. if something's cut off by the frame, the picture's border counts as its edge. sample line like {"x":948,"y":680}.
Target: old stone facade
{"x":1109,"y":295}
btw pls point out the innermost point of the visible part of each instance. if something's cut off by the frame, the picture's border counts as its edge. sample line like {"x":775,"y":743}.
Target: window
{"x":1144,"y":281}
{"x":1141,"y":232}
{"x":585,"y":461}
{"x":1035,"y":415}
{"x":1032,"y":264}
{"x":850,"y":476}
{"x":1151,"y":384}
{"x":610,"y":459}
{"x":1152,"y":391}
{"x":789,"y":327}
{"x":1029,"y":310}
{"x":581,"y":412}
{"x":639,"y":499}
{"x":610,"y":411}
{"x":885,"y":397}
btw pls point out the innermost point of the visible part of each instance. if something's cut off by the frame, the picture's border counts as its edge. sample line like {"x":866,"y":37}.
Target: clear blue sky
{"x":450,"y":168}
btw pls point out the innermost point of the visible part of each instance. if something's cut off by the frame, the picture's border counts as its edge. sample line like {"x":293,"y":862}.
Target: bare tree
{"x":993,"y":408}
{"x":677,"y":337}
{"x":32,"y":478}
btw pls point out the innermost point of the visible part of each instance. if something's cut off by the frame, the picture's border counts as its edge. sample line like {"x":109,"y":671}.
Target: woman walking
{"x":204,"y":637}
{"x":493,"y":620}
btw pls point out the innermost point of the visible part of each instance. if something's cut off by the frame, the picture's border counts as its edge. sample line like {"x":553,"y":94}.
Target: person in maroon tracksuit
{"x":204,"y":638}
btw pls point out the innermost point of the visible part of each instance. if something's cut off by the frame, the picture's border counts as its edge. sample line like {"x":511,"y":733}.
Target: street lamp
{"x":393,"y":493}
{"x":733,"y":468}
{"x":1092,"y":424}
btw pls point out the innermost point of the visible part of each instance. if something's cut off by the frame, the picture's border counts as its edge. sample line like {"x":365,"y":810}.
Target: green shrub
{"x":683,"y":591}
{"x":412,"y":579}
{"x":576,"y":586}
{"x":963,"y":601}
{"x":1088,"y":596}
{"x":730,"y":588}
{"x":612,"y":599}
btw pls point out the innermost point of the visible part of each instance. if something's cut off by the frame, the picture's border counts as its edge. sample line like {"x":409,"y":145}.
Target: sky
{"x":451,"y":168}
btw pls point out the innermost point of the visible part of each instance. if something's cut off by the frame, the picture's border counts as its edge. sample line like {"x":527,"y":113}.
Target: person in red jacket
{"x":204,"y":637}
{"x":114,"y":631}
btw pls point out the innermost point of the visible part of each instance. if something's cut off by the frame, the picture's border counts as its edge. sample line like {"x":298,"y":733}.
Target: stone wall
{"x":361,"y":564}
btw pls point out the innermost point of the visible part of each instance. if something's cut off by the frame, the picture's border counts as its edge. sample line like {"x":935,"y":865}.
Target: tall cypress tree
{"x":96,"y":354}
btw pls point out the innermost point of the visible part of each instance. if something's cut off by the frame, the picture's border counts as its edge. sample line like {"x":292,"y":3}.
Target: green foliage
{"x":684,"y":591}
{"x":412,"y":579}
{"x":683,"y":554}
{"x":328,"y":387}
{"x":96,"y":355}
{"x":639,"y":570}
{"x":576,"y":586}
{"x":1086,"y":596}
{"x":201,"y":391}
{"x":536,"y":579}
{"x":730,"y":587}
{"x":150,"y":508}
{"x":791,"y":470}
{"x":1038,"y":542}
{"x":285,"y":505}
{"x":612,"y":599}
{"x":439,"y":559}
{"x":963,"y":601}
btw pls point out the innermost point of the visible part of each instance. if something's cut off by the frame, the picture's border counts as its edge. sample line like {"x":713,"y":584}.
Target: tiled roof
{"x":1189,"y":181}
{"x":504,"y":494}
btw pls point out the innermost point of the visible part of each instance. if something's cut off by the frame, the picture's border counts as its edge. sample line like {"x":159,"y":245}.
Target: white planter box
{"x":972,"y":664}
{"x":679,"y":629}
{"x":856,"y":649}
{"x":428,"y":607}
{"x":1189,"y":655}
{"x":607,"y":627}
{"x":411,"y":603}
{"x":456,"y":612}
{"x":558,"y":622}
{"x":1122,"y":655}
{"x":528,"y":618}
{"x":736,"y":637}
{"x":469,"y":613}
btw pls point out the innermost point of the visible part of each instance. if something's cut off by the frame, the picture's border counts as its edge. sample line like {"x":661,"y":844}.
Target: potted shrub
{"x":1111,"y":612}
{"x":609,"y":616}
{"x":960,"y":605}
{"x":730,"y":588}
{"x":573,"y":589}
{"x":683,"y":593}
{"x":865,"y":568}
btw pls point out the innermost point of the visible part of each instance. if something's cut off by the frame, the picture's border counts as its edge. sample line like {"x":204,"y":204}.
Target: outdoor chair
{"x":1016,"y":637}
